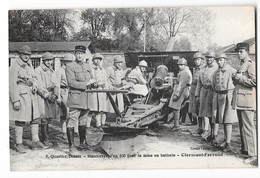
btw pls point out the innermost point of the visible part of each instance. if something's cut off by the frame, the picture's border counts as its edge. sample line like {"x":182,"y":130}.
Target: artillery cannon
{"x":138,"y":117}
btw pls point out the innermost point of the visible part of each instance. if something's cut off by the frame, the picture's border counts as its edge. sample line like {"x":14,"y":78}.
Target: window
{"x":36,"y":62}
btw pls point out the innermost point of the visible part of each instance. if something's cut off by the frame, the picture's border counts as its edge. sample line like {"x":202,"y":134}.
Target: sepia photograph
{"x":171,"y":87}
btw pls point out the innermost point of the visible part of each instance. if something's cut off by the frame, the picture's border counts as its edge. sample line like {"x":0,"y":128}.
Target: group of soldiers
{"x":40,"y":95}
{"x":217,"y":94}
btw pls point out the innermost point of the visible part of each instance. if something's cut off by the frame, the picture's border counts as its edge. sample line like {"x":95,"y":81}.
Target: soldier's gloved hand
{"x":34,"y":89}
{"x":17,"y":105}
{"x":237,"y":76}
{"x":91,"y":81}
{"x":175,"y":98}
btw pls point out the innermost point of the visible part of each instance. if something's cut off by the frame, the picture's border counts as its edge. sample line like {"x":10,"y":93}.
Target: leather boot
{"x":44,"y":138}
{"x":38,"y":146}
{"x":70,"y":136}
{"x":82,"y":137}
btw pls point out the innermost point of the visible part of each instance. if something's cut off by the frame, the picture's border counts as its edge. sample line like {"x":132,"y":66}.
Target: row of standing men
{"x":219,"y":94}
{"x":36,"y":95}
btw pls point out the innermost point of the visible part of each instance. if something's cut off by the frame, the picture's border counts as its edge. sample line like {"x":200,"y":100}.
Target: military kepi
{"x":242,"y":46}
{"x":80,"y":48}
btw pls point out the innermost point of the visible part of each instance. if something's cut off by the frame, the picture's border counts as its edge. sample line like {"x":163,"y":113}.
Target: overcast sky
{"x":233,"y":24}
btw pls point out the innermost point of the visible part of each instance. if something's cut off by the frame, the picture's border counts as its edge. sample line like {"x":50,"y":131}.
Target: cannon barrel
{"x":159,"y":76}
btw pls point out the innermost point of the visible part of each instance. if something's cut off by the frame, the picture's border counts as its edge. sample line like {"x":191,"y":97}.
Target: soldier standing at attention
{"x":99,"y":106}
{"x":193,"y":104}
{"x":116,"y":78}
{"x":223,"y":93}
{"x":180,"y":91}
{"x":204,"y":93}
{"x":63,"y":93}
{"x":49,"y":91}
{"x":23,"y":99}
{"x":79,"y":77}
{"x":244,"y":101}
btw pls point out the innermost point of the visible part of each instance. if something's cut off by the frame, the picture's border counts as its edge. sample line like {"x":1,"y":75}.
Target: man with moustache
{"x":79,"y":77}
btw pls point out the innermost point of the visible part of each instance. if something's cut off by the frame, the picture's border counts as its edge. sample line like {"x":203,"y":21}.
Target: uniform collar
{"x":224,"y":68}
{"x":246,"y":60}
{"x":96,"y":67}
{"x":22,"y":63}
{"x":45,"y":68}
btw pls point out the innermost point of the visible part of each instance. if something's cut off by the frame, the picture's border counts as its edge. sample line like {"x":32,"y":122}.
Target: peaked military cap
{"x":242,"y":46}
{"x":80,"y":48}
{"x":47,"y":56}
{"x":25,"y":50}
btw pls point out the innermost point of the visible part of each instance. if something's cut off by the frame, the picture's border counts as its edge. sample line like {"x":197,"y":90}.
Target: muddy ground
{"x":161,"y":148}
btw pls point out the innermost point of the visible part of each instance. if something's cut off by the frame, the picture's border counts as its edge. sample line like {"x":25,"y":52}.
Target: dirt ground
{"x":161,"y":148}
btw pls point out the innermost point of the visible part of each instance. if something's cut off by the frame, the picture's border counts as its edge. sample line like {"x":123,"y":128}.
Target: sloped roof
{"x":49,"y":46}
{"x":231,"y":48}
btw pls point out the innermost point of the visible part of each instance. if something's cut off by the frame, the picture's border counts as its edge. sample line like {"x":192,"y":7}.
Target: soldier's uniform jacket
{"x":99,"y":99}
{"x":245,"y":94}
{"x":47,"y":84}
{"x":223,"y":93}
{"x":193,"y":106}
{"x":182,"y":88}
{"x":21,"y":80}
{"x":205,"y":91}
{"x":78,"y":74}
{"x":115,"y":77}
{"x":136,"y":76}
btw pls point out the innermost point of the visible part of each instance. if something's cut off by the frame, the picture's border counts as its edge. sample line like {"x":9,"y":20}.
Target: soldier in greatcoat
{"x":204,"y":93}
{"x":79,"y":77}
{"x":63,"y":110}
{"x":223,"y":87}
{"x":180,"y":91}
{"x":244,"y":101}
{"x":116,"y":78}
{"x":137,"y":80}
{"x":23,"y":101}
{"x":48,"y":94}
{"x":193,"y":103}
{"x":99,"y":100}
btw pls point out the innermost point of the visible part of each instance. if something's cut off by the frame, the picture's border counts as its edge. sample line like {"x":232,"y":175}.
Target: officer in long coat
{"x":63,"y":93}
{"x":180,"y":91}
{"x":244,"y":101}
{"x":48,"y":93}
{"x":79,"y":78}
{"x":99,"y":106}
{"x":223,"y":87}
{"x":204,"y":92}
{"x":193,"y":103}
{"x":116,"y":78}
{"x":23,"y":101}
